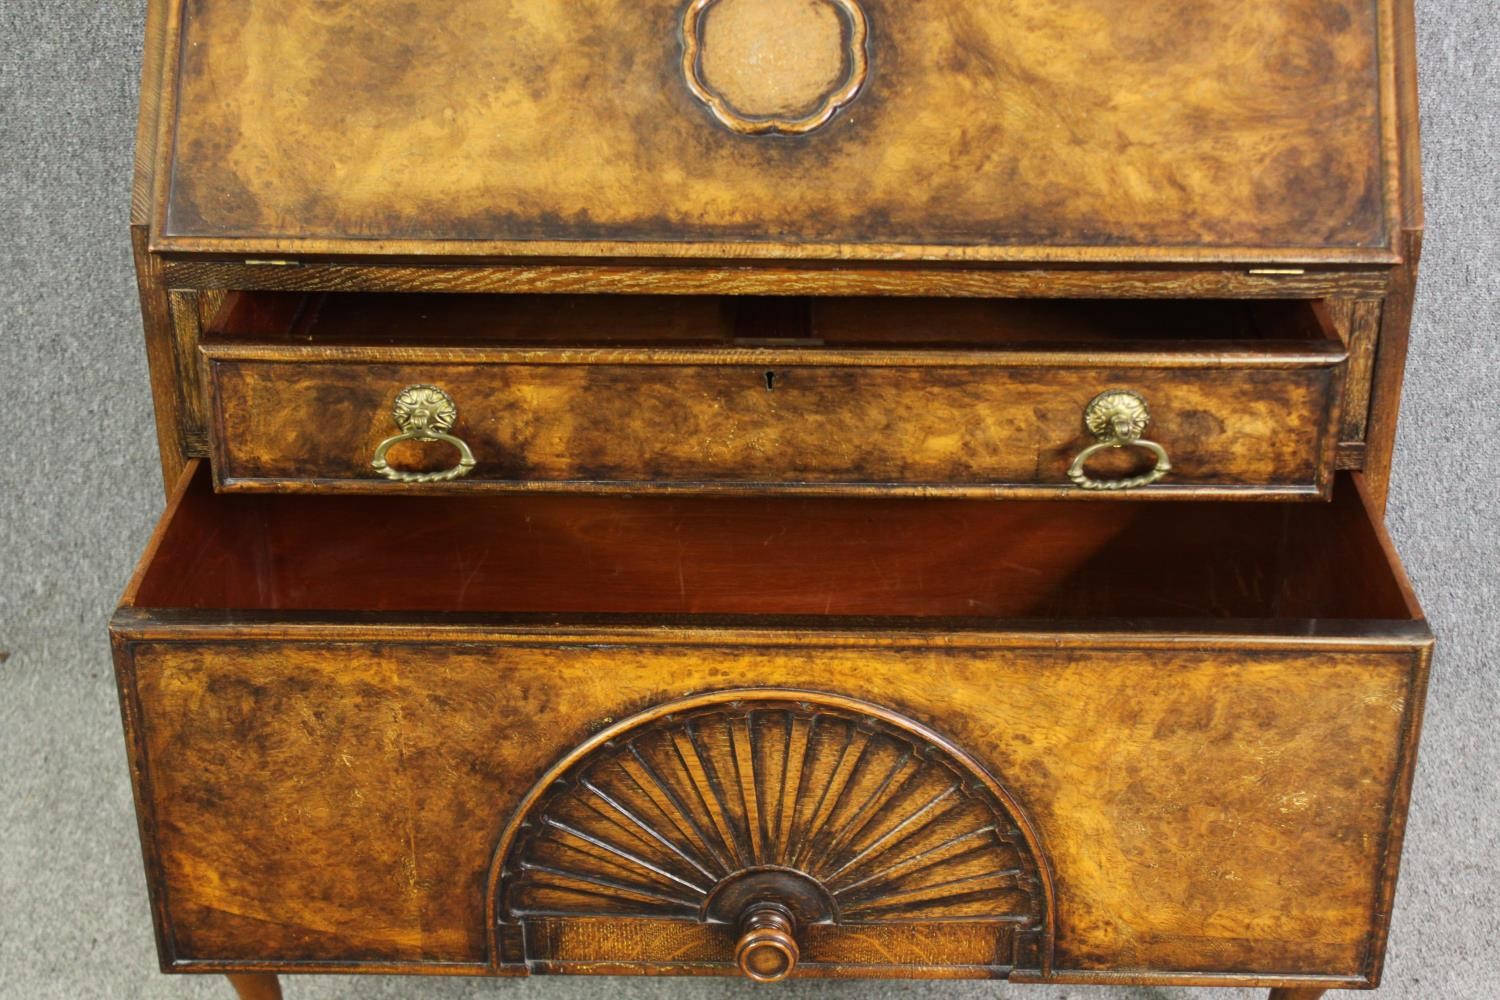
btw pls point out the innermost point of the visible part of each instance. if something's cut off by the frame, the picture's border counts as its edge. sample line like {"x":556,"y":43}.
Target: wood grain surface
{"x":1028,"y":131}
{"x":1207,"y":281}
{"x":339,"y":801}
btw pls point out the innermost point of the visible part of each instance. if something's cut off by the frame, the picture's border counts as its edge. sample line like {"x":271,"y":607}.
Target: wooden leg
{"x":1307,"y":993}
{"x":256,"y":986}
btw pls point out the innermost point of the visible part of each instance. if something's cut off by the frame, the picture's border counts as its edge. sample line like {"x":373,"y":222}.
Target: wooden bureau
{"x":777,"y":488}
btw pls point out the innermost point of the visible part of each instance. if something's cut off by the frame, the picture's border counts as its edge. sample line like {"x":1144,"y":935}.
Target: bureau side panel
{"x":1234,"y":425}
{"x":1202,"y":810}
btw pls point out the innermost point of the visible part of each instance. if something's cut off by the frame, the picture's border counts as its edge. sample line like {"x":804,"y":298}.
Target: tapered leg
{"x":1306,"y":993}
{"x":256,"y":986}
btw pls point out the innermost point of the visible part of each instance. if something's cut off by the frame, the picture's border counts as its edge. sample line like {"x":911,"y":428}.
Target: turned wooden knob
{"x":767,"y":951}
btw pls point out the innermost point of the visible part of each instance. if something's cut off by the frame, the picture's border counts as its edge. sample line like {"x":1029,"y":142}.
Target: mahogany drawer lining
{"x":822,"y":558}
{"x":593,"y":320}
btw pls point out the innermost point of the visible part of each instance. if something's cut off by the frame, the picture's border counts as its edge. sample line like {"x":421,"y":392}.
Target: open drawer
{"x":364,"y":393}
{"x":502,"y":734}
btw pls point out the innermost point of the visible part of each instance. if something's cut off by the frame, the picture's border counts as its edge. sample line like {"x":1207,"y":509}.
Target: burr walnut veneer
{"x":779,"y":488}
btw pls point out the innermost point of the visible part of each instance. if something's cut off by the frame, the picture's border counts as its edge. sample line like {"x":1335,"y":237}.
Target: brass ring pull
{"x":1117,"y":419}
{"x":424,"y":413}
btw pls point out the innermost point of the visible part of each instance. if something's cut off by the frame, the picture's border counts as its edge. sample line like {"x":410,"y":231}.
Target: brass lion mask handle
{"x":424,"y":413}
{"x":1117,"y":418}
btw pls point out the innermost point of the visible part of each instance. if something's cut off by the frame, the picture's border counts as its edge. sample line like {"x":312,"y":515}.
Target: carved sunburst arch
{"x":849,"y":880}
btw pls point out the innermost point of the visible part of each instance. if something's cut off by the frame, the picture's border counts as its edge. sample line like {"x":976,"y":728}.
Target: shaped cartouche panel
{"x":775,"y":66}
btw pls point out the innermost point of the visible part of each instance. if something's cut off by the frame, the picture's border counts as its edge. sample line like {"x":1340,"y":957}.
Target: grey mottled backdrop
{"x":79,"y":491}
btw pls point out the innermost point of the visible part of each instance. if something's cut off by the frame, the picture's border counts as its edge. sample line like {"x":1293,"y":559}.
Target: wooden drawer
{"x":492,"y":735}
{"x":963,"y":397}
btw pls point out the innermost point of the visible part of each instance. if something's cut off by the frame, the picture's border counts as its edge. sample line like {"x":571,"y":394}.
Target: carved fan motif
{"x":885,"y":825}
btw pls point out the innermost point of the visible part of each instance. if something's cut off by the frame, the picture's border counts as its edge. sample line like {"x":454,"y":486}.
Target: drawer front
{"x":1033,"y":806}
{"x":1248,"y":422}
{"x":493,"y":735}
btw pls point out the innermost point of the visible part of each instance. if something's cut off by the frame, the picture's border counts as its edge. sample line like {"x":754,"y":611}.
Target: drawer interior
{"x":343,"y":319}
{"x":673,"y":555}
